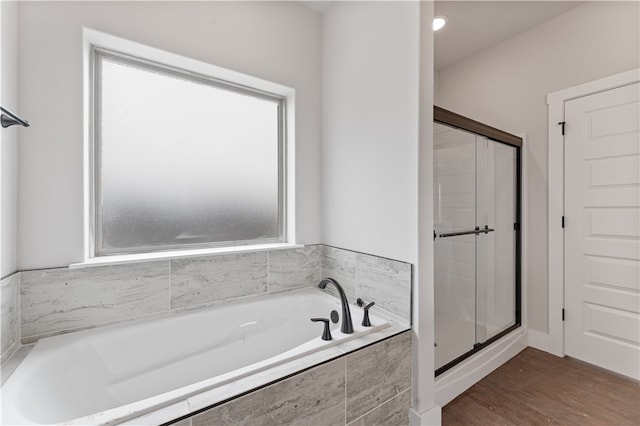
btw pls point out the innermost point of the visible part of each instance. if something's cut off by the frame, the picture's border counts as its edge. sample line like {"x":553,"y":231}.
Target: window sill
{"x":176,"y":254}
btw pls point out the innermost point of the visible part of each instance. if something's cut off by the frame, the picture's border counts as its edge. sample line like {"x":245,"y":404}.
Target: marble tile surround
{"x":376,"y":374}
{"x":289,"y":268}
{"x":62,"y":300}
{"x":392,"y":412}
{"x":9,"y":315}
{"x":53,"y":301}
{"x":384,"y":366}
{"x":10,"y":364}
{"x":212,"y":279}
{"x":371,"y":386}
{"x":371,"y":278}
{"x":315,"y":397}
{"x":340,"y":265}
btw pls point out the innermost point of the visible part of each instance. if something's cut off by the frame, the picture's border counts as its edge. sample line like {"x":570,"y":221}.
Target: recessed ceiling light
{"x":439,"y":22}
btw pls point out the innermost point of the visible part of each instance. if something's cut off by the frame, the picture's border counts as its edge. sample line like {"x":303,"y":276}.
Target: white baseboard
{"x":539,"y":340}
{"x":431,"y":417}
{"x":470,"y":371}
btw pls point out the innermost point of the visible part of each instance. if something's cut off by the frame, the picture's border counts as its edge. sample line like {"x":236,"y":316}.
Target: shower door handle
{"x":476,"y":231}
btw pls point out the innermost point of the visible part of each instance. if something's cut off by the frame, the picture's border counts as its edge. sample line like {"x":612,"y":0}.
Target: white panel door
{"x":602,"y":232}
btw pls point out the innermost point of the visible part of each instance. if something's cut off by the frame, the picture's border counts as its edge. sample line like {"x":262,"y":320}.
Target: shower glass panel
{"x":455,"y":255}
{"x":476,"y":242}
{"x":496,"y":250}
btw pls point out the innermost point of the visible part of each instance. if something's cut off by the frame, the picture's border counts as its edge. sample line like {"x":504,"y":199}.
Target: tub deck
{"x":136,"y":370}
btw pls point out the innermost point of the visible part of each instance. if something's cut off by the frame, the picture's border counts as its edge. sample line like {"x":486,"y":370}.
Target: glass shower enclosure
{"x":476,"y":236}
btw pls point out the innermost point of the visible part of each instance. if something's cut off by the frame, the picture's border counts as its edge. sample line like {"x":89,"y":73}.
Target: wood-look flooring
{"x":536,"y":388}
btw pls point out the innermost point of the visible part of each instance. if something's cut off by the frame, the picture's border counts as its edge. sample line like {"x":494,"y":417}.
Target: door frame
{"x":556,"y":102}
{"x":451,"y":119}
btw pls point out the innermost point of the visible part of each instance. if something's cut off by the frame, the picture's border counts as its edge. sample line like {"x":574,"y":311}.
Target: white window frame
{"x":100,"y":44}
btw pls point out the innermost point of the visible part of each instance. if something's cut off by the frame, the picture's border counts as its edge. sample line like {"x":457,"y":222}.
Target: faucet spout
{"x":347,"y":324}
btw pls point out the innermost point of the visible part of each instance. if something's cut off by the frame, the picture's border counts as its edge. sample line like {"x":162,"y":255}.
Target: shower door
{"x":476,"y":240}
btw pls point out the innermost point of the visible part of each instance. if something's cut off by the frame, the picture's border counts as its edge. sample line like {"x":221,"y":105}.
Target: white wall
{"x":9,"y":138}
{"x":506,"y":86}
{"x":424,"y":410}
{"x":370,"y":128}
{"x":377,"y":123}
{"x":276,"y":41}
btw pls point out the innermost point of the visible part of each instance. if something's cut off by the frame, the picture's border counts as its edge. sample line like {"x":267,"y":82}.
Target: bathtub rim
{"x":396,"y":332}
{"x":291,"y":366}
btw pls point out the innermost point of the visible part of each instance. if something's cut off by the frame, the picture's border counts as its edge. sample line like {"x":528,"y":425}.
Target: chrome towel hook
{"x":11,"y":119}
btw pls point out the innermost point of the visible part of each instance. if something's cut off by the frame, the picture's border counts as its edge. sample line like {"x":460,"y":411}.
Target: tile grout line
{"x":380,"y":405}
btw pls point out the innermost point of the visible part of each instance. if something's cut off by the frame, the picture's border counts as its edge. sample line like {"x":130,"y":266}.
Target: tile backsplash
{"x":58,"y":300}
{"x":340,"y":265}
{"x":61,"y":300}
{"x":371,"y":278}
{"x":203,"y":280}
{"x":288,"y":268}
{"x":9,"y":315}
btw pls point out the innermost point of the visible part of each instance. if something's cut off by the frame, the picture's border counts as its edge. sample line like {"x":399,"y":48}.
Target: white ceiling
{"x":473,"y":26}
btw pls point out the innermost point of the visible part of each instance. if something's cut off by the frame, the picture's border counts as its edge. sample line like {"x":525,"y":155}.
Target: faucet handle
{"x":326,"y":333}
{"x":365,"y":319}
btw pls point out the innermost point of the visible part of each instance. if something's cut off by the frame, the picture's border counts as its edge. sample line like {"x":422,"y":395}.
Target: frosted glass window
{"x":182,"y":160}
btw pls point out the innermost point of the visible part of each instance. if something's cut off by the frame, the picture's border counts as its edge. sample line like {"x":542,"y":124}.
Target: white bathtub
{"x":140,"y":367}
